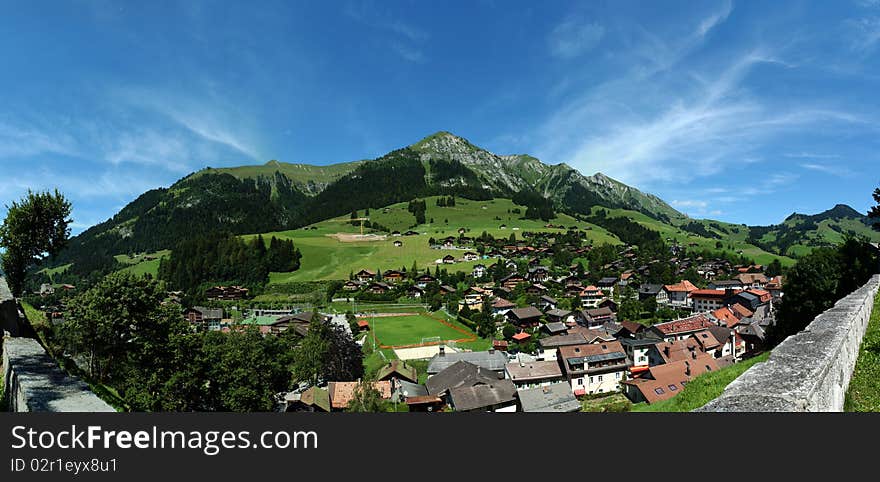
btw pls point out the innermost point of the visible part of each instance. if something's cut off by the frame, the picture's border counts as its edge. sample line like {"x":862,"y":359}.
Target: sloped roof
{"x":536,"y":370}
{"x":399,"y":368}
{"x":692,"y":323}
{"x":483,"y":396}
{"x":554,"y":398}
{"x":460,"y":374}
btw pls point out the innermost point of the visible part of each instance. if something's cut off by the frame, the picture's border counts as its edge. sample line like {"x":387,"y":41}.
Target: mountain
{"x":800,"y":233}
{"x":277,"y":196}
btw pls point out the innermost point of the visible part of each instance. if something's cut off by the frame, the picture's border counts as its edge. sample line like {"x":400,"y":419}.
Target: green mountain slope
{"x":800,"y":233}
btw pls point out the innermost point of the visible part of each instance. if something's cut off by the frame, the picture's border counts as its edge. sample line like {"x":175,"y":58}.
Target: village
{"x":555,"y":337}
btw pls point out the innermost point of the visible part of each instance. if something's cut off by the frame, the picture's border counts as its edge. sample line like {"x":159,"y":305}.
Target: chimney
{"x":687,"y":370}
{"x":492,"y":351}
{"x":442,"y":350}
{"x":666,"y":350}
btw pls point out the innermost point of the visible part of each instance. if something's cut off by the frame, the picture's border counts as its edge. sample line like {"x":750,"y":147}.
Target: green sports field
{"x":400,"y":331}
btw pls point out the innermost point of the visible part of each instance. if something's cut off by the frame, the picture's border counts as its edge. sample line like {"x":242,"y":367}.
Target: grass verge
{"x":863,"y":394}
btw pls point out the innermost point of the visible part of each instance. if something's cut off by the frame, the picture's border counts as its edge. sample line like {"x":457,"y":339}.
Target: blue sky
{"x":733,"y":110}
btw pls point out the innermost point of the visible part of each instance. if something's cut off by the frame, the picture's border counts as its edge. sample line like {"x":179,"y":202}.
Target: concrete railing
{"x":809,"y":371}
{"x":34,"y":382}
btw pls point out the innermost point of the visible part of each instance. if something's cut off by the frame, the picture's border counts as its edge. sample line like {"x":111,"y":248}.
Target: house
{"x":351,"y":286}
{"x":637,"y":351}
{"x":473,"y":300}
{"x":393,"y":276}
{"x":424,"y":280}
{"x":774,"y":286}
{"x":608,"y":303}
{"x":607,"y":285}
{"x":470,"y":256}
{"x":415,"y":292}
{"x":342,"y":393}
{"x":379,"y":288}
{"x":536,"y":289}
{"x":397,"y":244}
{"x":553,"y":398}
{"x":676,"y":295}
{"x":557,"y":315}
{"x":629,"y":329}
{"x":591,"y":296}
{"x":664,"y":352}
{"x":492,"y":360}
{"x":729,"y":284}
{"x":555,"y":328}
{"x":479,"y":271}
{"x":753,"y":280}
{"x":395,"y":233}
{"x":501,"y":306}
{"x":511,"y":281}
{"x":538,"y":274}
{"x":448,"y":259}
{"x":207,"y":318}
{"x":499,"y":396}
{"x":708,"y":300}
{"x":546,"y":303}
{"x":446,"y":290}
{"x":595,"y":317}
{"x":365,"y":276}
{"x":725,"y":316}
{"x":680,"y":329}
{"x":548,"y":347}
{"x":532,"y":374}
{"x":398,"y":369}
{"x":665,"y":381}
{"x":226,"y":293}
{"x":524,"y":317}
{"x":313,"y":399}
{"x":594,"y":368}
{"x":46,"y":289}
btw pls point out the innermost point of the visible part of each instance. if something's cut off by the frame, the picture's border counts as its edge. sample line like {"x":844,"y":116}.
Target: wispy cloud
{"x":714,"y":19}
{"x":839,"y":171}
{"x":574,"y":37}
{"x":407,"y":39}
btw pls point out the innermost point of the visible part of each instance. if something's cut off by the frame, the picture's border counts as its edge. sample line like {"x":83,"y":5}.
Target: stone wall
{"x":8,"y":310}
{"x":809,"y":371}
{"x":34,"y":382}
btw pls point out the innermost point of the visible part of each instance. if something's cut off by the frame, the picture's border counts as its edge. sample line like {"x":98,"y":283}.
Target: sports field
{"x":400,"y":330}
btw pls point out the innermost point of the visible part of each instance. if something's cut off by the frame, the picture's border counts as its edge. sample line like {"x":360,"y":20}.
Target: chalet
{"x":607,"y":285}
{"x":398,"y":244}
{"x":680,"y":329}
{"x":548,"y":347}
{"x":379,"y":288}
{"x":525,"y":317}
{"x":560,"y":316}
{"x":395,"y":233}
{"x":707,"y":300}
{"x":729,"y":284}
{"x":595,"y":368}
{"x":501,"y":306}
{"x":538,"y":274}
{"x":206,"y":318}
{"x":496,"y":397}
{"x":470,"y":256}
{"x":534,"y":373}
{"x":594,"y":317}
{"x":591,"y":296}
{"x":676,"y":295}
{"x":398,"y":369}
{"x":446,"y":290}
{"x":648,"y":290}
{"x":753,"y":280}
{"x":473,"y":300}
{"x":511,"y":281}
{"x":608,"y":303}
{"x":546,"y":303}
{"x":351,"y":286}
{"x":365,"y":276}
{"x":424,"y":280}
{"x":226,"y":293}
{"x":415,"y":292}
{"x":553,"y":398}
{"x":573,"y":290}
{"x":665,"y":381}
{"x":479,"y":271}
{"x":629,"y":329}
{"x":491,"y":361}
{"x":393,"y":276}
{"x":536,"y":289}
{"x":555,"y":328}
{"x":448,"y":259}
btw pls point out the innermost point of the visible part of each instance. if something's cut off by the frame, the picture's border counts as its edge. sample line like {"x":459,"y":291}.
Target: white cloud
{"x":409,"y":37}
{"x":689,"y":204}
{"x":714,"y":19}
{"x":838,"y":171}
{"x":574,"y":37}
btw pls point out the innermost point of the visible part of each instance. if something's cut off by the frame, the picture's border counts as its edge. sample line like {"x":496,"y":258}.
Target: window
{"x":659,"y":391}
{"x":617,"y":375}
{"x":708,"y":368}
{"x":580,"y":381}
{"x":672,"y":388}
{"x":600,"y":378}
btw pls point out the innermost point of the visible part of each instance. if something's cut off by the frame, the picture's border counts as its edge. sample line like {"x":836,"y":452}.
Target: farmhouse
{"x":365,"y":276}
{"x":525,"y":317}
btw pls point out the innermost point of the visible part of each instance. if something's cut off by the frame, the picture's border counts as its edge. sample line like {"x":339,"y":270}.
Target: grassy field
{"x":410,"y":330}
{"x":702,"y":389}
{"x":616,"y":402}
{"x":863,"y":394}
{"x":55,"y":271}
{"x":139,"y":266}
{"x":735,"y":236}
{"x":326,"y":258}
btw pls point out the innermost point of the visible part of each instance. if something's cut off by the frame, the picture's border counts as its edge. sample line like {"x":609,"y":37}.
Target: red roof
{"x":685,"y":285}
{"x":708,"y":294}
{"x":521,"y":336}
{"x":693,"y":323}
{"x":363,"y":323}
